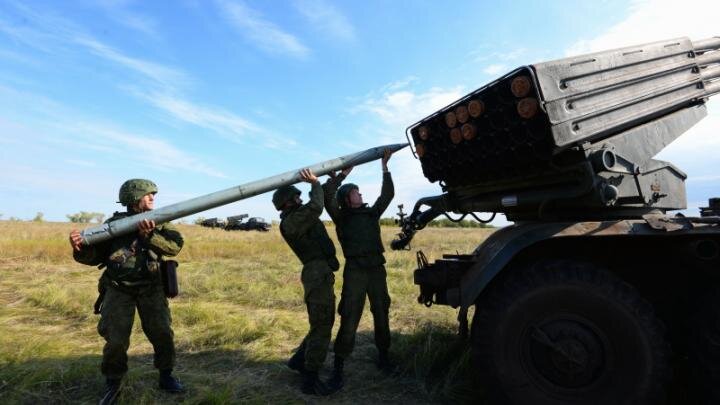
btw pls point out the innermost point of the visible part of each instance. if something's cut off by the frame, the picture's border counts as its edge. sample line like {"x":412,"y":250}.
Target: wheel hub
{"x":570,"y":356}
{"x":569,"y":353}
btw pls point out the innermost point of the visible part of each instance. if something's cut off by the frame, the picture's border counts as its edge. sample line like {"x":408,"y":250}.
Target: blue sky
{"x":200,"y":96}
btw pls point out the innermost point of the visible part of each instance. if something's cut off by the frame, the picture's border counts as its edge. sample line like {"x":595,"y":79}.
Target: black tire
{"x":564,"y":332}
{"x":704,"y":350}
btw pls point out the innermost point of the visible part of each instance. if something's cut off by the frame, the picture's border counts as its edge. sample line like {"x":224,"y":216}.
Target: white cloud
{"x":398,"y":106}
{"x":325,"y":18}
{"x":495,"y":69}
{"x":696,"y":151}
{"x":399,"y":84}
{"x":10,"y":56}
{"x":47,"y":124}
{"x":483,"y":55}
{"x":655,"y":20}
{"x":395,"y":106}
{"x":227,"y":124}
{"x":42,"y":31}
{"x":161,"y":85}
{"x":262,"y":33}
{"x":162,"y":75}
{"x":22,"y":178}
{"x":147,"y":150}
{"x":119,"y":11}
{"x":169,"y":81}
{"x":83,"y":163}
{"x":218,"y":120}
{"x":52,"y":34}
{"x":512,"y":54}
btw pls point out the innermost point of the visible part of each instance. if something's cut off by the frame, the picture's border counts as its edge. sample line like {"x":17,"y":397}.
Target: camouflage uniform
{"x":132,"y":280}
{"x":302,"y":229}
{"x":358,"y":230}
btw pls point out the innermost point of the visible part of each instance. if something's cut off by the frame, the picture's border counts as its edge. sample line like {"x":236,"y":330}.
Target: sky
{"x":200,"y":96}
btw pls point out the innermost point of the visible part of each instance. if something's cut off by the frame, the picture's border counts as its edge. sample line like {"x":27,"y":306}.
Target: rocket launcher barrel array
{"x":520,"y":125}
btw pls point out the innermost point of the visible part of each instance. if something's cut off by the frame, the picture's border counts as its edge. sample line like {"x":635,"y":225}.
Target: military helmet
{"x":343,"y":192}
{"x":283,"y":195}
{"x":134,"y":189}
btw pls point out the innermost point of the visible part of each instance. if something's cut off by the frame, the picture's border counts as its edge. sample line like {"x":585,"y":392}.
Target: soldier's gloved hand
{"x":145,"y":228}
{"x":386,"y":156}
{"x":76,"y":240}
{"x":308,"y":176}
{"x":344,"y":172}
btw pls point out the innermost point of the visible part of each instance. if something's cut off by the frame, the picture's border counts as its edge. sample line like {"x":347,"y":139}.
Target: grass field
{"x":238,"y":318}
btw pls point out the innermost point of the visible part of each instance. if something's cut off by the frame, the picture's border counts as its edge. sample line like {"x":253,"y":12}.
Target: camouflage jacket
{"x":305,"y":233}
{"x":358,"y":229}
{"x":129,"y":257}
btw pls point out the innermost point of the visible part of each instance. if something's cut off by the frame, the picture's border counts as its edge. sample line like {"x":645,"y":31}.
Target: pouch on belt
{"x":168,"y":272}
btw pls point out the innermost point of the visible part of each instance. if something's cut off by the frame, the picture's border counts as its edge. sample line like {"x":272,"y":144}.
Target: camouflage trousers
{"x":359,"y":282}
{"x":116,"y":322}
{"x":318,"y":280}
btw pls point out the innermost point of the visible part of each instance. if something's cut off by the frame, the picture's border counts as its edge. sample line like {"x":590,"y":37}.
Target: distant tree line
{"x":39,"y":217}
{"x":83,"y":217}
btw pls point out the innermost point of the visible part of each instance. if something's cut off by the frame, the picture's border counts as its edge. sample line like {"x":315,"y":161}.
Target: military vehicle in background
{"x":213,"y":223}
{"x":253,"y":224}
{"x":595,"y":295}
{"x":235,"y":223}
{"x":235,"y":219}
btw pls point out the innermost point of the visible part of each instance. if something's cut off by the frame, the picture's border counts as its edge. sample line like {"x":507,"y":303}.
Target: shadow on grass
{"x":439,"y":362}
{"x":433,"y":367}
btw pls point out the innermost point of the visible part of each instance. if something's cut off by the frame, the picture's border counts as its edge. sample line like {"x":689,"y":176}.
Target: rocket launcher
{"x":569,"y":139}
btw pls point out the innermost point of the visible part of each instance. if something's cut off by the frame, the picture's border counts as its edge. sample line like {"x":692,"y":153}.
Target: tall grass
{"x":238,"y":318}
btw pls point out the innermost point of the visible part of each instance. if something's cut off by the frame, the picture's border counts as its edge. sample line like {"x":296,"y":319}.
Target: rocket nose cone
{"x":396,"y":147}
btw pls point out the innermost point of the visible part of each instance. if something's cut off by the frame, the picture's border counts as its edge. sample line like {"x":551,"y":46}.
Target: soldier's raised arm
{"x":299,"y":221}
{"x":387,"y":191}
{"x":317,"y":198}
{"x":330,"y":187}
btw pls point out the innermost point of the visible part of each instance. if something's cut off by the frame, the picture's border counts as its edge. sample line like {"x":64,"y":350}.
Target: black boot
{"x":112,"y":390}
{"x":336,"y":380}
{"x":312,"y":385}
{"x":169,"y":383}
{"x":384,"y":363}
{"x":297,"y":361}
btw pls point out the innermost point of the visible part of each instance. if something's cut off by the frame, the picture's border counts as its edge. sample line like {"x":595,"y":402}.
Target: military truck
{"x":213,"y":223}
{"x":253,"y":224}
{"x":233,"y":221}
{"x":596,"y":294}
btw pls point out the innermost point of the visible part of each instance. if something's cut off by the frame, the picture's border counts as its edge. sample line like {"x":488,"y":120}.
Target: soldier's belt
{"x":131,"y":283}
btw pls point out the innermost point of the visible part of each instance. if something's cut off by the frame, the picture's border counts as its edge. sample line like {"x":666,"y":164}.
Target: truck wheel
{"x":565,"y":332}
{"x":704,"y":350}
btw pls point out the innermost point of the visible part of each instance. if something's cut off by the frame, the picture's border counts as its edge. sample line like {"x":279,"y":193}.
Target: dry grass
{"x":238,"y":318}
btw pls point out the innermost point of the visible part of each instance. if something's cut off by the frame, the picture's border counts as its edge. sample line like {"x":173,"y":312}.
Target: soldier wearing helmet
{"x":303,"y":231}
{"x":132,"y":280}
{"x":358,"y":229}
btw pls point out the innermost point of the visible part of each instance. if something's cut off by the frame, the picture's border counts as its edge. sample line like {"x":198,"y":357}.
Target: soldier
{"x":358,"y":230}
{"x":302,"y":229}
{"x":132,"y":280}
